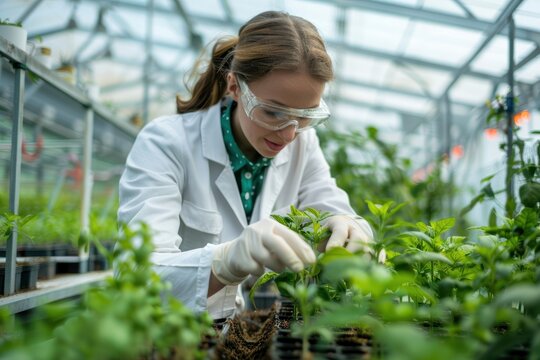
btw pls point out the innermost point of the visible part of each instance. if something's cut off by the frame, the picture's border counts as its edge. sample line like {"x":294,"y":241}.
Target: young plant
{"x":9,"y":221}
{"x":308,"y":225}
{"x":10,"y":23}
{"x":131,"y":316}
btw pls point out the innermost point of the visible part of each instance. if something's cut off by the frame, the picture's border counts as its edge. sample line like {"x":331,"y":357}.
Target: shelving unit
{"x":66,"y":111}
{"x":59,"y":288}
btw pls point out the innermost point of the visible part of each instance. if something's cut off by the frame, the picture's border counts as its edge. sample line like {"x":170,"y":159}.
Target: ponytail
{"x":212,"y":84}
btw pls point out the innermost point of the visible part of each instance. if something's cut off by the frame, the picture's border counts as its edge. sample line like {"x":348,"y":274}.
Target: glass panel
{"x":442,"y":44}
{"x":528,"y":15}
{"x":210,"y":8}
{"x":494,"y":58}
{"x":375,"y":30}
{"x":471,"y":90}
{"x":323,"y":16}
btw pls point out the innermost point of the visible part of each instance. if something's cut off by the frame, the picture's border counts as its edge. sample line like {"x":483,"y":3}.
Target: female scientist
{"x":241,"y":148}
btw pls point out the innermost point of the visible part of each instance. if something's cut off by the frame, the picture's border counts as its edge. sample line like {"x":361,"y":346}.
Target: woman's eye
{"x":275,"y":114}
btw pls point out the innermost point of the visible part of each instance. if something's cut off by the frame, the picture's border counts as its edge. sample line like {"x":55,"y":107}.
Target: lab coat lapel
{"x":214,"y":150}
{"x":273,"y":183}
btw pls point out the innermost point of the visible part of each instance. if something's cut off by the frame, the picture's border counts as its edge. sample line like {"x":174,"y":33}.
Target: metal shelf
{"x":74,"y":104}
{"x":61,"y":287}
{"x":14,"y":54}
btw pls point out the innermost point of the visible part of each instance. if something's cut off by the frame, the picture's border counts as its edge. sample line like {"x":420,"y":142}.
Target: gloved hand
{"x":353,"y":234}
{"x":266,"y":243}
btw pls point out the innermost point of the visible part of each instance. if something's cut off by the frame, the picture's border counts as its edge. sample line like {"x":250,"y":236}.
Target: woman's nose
{"x":287,"y":134}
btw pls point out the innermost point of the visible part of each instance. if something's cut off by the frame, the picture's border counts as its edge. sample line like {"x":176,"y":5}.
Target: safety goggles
{"x":275,"y":117}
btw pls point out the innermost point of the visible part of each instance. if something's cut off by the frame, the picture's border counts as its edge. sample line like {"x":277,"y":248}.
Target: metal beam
{"x":195,"y":39}
{"x":431,"y":16}
{"x":228,"y":12}
{"x":465,"y":9}
{"x":163,"y":44}
{"x":397,"y":91}
{"x":358,"y":50}
{"x":332,"y":44}
{"x":148,"y":42}
{"x":29,"y":10}
{"x":490,"y":33}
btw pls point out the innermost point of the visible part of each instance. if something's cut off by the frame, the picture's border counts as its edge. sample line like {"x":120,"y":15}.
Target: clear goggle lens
{"x":276,"y":119}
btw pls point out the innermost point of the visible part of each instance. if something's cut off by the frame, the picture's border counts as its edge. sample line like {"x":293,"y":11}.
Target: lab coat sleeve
{"x":151,"y":192}
{"x":318,"y":189}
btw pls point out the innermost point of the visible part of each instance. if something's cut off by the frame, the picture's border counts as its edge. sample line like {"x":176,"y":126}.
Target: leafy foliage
{"x":131,"y":316}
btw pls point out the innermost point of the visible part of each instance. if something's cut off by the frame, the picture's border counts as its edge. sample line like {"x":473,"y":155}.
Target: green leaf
{"x":280,"y":219}
{"x":423,"y":227}
{"x":529,"y":193}
{"x":529,"y":171}
{"x":472,"y":204}
{"x":421,"y":257}
{"x":263,"y":279}
{"x":487,"y":178}
{"x":396,"y":209}
{"x":443,"y":225}
{"x":534,"y":352}
{"x":373,"y":208}
{"x":488,"y":191}
{"x":421,"y":236}
{"x":493,"y":218}
{"x":527,"y":294}
{"x":340,"y":316}
{"x":334,"y":254}
{"x":527,"y":219}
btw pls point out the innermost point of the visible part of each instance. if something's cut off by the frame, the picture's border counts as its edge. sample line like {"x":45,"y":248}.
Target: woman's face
{"x":290,"y":89}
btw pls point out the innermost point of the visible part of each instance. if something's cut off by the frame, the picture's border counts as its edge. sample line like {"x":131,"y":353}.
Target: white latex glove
{"x":266,"y":243}
{"x":353,"y":234}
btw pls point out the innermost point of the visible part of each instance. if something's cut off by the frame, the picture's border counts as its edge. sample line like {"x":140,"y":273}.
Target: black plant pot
{"x":19,"y":252}
{"x":18,"y":270}
{"x":29,"y":276}
{"x":47,"y":269}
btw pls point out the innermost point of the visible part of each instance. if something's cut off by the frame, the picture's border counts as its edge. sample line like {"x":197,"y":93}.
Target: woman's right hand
{"x":264,"y":244}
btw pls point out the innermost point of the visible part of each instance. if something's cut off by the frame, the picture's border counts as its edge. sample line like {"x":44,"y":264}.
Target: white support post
{"x":86,"y":185}
{"x":14,"y":177}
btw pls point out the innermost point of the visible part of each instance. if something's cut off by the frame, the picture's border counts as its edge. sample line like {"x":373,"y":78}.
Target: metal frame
{"x":22,"y":62}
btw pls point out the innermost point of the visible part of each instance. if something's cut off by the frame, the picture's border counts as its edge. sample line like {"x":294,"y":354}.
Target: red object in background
{"x":38,"y":148}
{"x":522,"y":117}
{"x":491,"y":133}
{"x":457,"y":151}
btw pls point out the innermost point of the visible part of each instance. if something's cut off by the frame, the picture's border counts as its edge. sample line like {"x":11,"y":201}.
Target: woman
{"x":242,"y":147}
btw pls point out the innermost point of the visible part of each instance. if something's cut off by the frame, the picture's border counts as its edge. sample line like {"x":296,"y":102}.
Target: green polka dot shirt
{"x":249,"y":175}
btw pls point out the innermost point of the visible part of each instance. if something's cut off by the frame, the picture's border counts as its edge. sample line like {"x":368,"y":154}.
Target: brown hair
{"x":270,"y":41}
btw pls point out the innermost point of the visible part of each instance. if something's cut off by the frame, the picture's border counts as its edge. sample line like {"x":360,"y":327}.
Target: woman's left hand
{"x":353,"y":234}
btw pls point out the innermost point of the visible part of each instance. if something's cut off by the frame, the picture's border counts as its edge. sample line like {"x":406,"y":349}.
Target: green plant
{"x":367,"y":167}
{"x":10,"y":221}
{"x":132,"y":316}
{"x":10,"y":23}
{"x":307,"y":224}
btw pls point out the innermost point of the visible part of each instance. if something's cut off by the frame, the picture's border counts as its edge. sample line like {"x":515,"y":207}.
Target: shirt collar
{"x":237,"y":158}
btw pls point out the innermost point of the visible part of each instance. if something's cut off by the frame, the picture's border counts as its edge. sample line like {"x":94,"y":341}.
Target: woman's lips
{"x":273,"y":146}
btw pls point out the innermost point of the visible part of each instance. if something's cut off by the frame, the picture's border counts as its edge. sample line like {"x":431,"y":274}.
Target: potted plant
{"x":14,"y":33}
{"x":67,"y":71}
{"x":26,"y":273}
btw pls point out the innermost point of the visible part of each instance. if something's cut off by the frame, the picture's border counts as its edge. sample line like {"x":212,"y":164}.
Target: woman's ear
{"x":233,"y":90}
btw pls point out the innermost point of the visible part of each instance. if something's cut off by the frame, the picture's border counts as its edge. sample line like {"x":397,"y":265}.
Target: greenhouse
{"x":270,"y":179}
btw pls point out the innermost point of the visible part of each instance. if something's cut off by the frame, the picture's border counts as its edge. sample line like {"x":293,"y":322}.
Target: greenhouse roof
{"x":396,"y":61}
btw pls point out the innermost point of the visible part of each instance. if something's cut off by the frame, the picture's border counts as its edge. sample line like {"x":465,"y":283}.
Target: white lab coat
{"x":179,"y":181}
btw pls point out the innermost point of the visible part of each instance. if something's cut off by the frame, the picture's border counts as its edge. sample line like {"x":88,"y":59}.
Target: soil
{"x":247,"y":336}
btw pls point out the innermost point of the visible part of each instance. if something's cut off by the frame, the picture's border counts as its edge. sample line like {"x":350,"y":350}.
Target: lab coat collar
{"x":213,"y":147}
